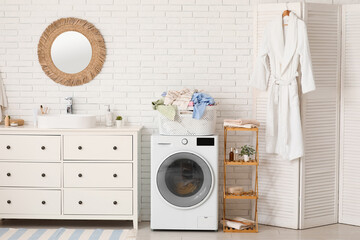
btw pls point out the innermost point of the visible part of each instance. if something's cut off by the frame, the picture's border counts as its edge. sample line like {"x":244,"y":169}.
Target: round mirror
{"x":71,"y":52}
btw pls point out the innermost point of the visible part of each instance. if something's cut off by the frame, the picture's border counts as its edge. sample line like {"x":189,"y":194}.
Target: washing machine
{"x":184,"y":182}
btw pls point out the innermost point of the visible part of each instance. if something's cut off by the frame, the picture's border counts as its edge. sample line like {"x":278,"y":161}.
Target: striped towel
{"x":62,"y":234}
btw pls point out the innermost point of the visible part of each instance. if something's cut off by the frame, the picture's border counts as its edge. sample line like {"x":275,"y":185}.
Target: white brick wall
{"x":152,"y":46}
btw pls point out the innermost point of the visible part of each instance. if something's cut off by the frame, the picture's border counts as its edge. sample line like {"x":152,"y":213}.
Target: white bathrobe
{"x":276,"y":70}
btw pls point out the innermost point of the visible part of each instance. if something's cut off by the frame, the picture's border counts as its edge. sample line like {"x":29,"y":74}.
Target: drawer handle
{"x":79,"y":175}
{"x":79,"y":147}
{"x":8,"y":147}
{"x":80,"y":202}
{"x":43,"y":202}
{"x":115,"y":175}
{"x":42,"y":147}
{"x":115,"y":202}
{"x":115,"y":147}
{"x":43,"y":175}
{"x":8,"y":174}
{"x":8,"y":201}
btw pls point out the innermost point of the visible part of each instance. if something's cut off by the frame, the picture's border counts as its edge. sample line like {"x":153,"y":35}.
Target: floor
{"x":330,"y":232}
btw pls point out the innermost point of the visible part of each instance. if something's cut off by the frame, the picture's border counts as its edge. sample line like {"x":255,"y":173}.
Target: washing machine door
{"x":184,"y":179}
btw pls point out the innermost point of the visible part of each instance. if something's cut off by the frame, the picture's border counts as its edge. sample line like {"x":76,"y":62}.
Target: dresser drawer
{"x":39,"y":202}
{"x":100,"y":202}
{"x":25,"y":147}
{"x":98,"y":175}
{"x":30,"y":174}
{"x":98,"y":148}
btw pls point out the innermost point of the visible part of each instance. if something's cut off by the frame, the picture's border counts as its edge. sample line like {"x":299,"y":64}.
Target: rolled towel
{"x":235,"y":190}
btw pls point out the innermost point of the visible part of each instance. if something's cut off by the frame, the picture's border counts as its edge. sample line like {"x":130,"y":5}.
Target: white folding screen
{"x":278,"y":179}
{"x":320,"y":118}
{"x":349,"y":208}
{"x":313,"y":178}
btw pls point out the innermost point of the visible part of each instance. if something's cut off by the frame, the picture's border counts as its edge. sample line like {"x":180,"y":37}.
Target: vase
{"x":119,"y":123}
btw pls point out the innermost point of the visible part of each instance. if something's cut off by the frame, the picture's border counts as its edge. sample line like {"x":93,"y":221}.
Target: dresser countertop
{"x":98,"y":129}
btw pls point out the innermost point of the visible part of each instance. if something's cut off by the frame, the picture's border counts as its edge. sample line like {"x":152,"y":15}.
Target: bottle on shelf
{"x":231,"y":154}
{"x":236,"y":155}
{"x":7,"y":121}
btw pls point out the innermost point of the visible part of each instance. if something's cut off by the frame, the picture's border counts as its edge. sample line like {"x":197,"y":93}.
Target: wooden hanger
{"x":286,"y":13}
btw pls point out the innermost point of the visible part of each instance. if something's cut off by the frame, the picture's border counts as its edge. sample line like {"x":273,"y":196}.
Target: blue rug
{"x":63,"y":234}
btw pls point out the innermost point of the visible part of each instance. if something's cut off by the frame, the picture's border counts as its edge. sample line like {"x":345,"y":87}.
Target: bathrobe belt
{"x":279,"y":90}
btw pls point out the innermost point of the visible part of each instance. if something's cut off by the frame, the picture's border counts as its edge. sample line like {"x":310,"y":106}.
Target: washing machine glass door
{"x":184,"y":179}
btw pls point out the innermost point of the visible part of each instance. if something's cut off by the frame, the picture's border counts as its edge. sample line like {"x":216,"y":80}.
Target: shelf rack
{"x":255,"y":195}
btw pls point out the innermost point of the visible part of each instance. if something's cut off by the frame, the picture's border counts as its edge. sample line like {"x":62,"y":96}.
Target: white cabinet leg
{"x":135,"y":224}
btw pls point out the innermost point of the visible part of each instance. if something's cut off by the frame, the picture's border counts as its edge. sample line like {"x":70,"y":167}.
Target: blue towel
{"x":201,"y":100}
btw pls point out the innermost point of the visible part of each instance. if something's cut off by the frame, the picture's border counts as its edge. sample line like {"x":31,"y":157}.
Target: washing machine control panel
{"x":200,"y":141}
{"x":205,"y":141}
{"x":184,"y":141}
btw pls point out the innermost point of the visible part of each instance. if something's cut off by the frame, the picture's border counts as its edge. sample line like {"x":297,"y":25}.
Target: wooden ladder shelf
{"x":254,"y":194}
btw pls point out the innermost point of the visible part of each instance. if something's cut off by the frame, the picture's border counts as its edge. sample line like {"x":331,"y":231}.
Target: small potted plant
{"x":119,"y":121}
{"x":246,"y":152}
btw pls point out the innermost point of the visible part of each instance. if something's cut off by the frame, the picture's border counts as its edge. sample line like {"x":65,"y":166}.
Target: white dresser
{"x":69,"y":173}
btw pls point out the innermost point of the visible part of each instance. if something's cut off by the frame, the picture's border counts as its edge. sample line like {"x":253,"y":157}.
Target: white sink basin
{"x":67,"y":121}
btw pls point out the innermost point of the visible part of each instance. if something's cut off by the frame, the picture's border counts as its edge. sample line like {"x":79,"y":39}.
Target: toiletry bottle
{"x":236,"y":155}
{"x":108,"y":117}
{"x":231,"y":154}
{"x":7,"y":120}
{"x":35,"y":115}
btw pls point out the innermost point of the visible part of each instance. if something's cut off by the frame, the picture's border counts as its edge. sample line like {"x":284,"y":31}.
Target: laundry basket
{"x":184,"y":124}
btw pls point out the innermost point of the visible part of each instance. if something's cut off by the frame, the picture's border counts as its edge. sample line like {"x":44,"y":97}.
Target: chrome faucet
{"x":69,"y":105}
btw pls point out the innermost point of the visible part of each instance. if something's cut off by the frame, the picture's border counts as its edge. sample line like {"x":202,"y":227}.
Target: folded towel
{"x":240,"y":122}
{"x":3,"y":99}
{"x":239,"y":126}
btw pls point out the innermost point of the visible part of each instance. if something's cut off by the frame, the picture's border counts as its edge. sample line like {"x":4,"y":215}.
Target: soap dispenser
{"x":108,"y":117}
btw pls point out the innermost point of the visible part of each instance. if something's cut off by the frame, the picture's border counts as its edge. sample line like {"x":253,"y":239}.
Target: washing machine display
{"x":184,"y":179}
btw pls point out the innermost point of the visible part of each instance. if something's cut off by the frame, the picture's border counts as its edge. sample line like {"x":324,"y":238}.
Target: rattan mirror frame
{"x":97,"y":44}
